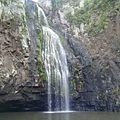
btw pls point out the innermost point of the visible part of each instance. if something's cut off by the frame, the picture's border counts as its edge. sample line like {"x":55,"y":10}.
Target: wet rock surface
{"x":94,"y":66}
{"x":28,"y":98}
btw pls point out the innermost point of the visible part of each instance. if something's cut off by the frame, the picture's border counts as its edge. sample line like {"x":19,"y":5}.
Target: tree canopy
{"x":95,"y":14}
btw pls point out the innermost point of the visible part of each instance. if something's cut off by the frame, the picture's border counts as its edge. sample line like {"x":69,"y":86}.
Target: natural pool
{"x":60,"y":116}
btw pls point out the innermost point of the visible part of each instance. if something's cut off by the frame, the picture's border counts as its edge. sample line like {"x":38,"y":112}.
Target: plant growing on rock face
{"x":7,"y":2}
{"x":56,"y":4}
{"x":10,"y":9}
{"x":94,"y":14}
{"x":41,"y":69}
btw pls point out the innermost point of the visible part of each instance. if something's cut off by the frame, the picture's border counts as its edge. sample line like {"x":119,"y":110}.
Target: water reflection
{"x":60,"y":116}
{"x":50,"y":116}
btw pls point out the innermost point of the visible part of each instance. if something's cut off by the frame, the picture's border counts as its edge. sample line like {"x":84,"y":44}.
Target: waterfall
{"x":42,"y":14}
{"x":55,"y":61}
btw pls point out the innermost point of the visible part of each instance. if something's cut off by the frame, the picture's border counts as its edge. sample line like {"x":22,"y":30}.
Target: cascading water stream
{"x":41,"y":13}
{"x":55,"y":61}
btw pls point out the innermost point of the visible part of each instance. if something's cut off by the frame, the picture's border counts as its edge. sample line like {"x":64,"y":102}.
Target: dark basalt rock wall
{"x":29,"y":98}
{"x":94,"y":67}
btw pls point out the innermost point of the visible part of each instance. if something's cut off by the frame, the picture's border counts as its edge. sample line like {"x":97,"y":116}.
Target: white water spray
{"x":55,"y":61}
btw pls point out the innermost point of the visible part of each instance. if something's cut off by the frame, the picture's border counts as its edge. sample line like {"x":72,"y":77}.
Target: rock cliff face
{"x":20,"y":77}
{"x":94,"y":62}
{"x":14,"y":51}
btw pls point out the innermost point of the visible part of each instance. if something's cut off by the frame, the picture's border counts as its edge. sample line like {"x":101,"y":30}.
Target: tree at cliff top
{"x":57,"y":4}
{"x":95,"y":14}
{"x":7,"y":2}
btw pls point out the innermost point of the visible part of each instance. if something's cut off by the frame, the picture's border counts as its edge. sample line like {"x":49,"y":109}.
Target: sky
{"x":35,"y":0}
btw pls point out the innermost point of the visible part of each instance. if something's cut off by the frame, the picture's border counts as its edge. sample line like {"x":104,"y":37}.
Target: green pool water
{"x":60,"y":116}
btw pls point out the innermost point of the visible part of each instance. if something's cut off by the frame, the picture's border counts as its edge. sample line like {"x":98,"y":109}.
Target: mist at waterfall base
{"x":56,"y":67}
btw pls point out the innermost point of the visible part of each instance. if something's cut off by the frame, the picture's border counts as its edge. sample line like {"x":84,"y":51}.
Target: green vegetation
{"x":62,"y":39}
{"x":41,"y":68}
{"x":56,"y":4}
{"x":95,"y":14}
{"x":24,"y":24}
{"x":7,"y":2}
{"x":7,"y":12}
